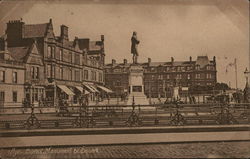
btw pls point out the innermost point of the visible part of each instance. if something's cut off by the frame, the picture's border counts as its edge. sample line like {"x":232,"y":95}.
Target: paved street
{"x":134,"y":138}
{"x":186,"y":150}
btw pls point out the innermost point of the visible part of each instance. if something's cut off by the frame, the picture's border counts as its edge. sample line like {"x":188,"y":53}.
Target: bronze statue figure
{"x":134,"y":45}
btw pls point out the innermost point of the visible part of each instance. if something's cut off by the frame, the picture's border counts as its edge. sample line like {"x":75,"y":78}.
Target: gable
{"x":34,"y":56}
{"x":49,"y":32}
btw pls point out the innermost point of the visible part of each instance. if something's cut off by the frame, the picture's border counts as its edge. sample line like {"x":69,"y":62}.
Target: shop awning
{"x":79,"y":88}
{"x":89,"y":88}
{"x":86,"y":92}
{"x":105,"y":89}
{"x":93,"y":87}
{"x":65,"y":89}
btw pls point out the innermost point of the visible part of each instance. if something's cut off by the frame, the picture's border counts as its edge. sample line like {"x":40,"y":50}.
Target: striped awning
{"x":66,"y":89}
{"x":79,"y":88}
{"x":104,"y":89}
{"x":90,"y":88}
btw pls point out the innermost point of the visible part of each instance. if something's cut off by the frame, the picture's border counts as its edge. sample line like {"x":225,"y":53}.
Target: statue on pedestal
{"x":134,"y":44}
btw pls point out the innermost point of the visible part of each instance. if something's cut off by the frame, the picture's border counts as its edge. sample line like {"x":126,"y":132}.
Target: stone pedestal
{"x":136,"y":87}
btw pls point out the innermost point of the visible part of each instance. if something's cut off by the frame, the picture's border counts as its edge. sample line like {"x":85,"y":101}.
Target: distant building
{"x":55,"y":67}
{"x":160,"y":77}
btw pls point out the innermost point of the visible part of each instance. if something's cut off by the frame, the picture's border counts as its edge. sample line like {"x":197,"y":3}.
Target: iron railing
{"x":126,"y":115}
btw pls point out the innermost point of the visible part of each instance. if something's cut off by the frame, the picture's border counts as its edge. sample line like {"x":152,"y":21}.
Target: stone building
{"x":12,"y":81}
{"x":56,"y":68}
{"x":161,"y":77}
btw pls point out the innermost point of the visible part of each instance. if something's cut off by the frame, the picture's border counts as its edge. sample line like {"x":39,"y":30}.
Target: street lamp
{"x":246,"y":73}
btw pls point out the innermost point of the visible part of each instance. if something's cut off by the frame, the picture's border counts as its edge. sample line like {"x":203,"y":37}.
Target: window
{"x":37,"y":72}
{"x":178,"y":76}
{"x":34,"y":72}
{"x":53,"y":71}
{"x":2,"y":97}
{"x":77,"y":59}
{"x":53,"y":52}
{"x":208,"y":75}
{"x":179,"y":69}
{"x":60,"y":73}
{"x":160,"y":77}
{"x":77,"y":75}
{"x":189,"y":68}
{"x":168,"y":76}
{"x":60,"y":54}
{"x":2,"y":76}
{"x":14,"y":96}
{"x":188,"y":76}
{"x":49,"y":71}
{"x":100,"y":77}
{"x":70,"y":74}
{"x":93,"y":75}
{"x":197,"y":76}
{"x":49,"y":52}
{"x":70,"y":57}
{"x":86,"y":74}
{"x":197,"y":67}
{"x":14,"y":77}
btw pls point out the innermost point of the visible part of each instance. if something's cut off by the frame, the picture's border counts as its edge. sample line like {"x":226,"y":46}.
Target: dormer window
{"x":197,"y":67}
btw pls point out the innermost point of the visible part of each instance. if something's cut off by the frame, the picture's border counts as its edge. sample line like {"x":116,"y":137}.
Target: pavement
{"x":77,"y":137}
{"x":114,"y":139}
{"x":173,"y":150}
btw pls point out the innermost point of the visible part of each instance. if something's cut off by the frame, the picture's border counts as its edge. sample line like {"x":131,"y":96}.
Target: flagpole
{"x":236,"y":80}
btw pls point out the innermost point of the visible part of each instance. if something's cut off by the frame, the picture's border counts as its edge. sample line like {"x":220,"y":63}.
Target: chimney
{"x":14,"y":32}
{"x":149,"y":60}
{"x":64,"y":32}
{"x":190,"y":58}
{"x":125,"y":61}
{"x":214,"y":59}
{"x":172,"y":59}
{"x":102,"y":38}
{"x":113,"y":61}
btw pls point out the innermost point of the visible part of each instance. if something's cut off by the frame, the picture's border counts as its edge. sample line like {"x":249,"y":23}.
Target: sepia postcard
{"x":124,"y":79}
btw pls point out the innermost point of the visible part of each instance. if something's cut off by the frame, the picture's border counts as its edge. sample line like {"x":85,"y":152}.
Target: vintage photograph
{"x":124,"y":79}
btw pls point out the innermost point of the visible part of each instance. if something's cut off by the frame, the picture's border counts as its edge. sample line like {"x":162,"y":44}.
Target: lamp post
{"x":246,"y":73}
{"x":246,"y":90}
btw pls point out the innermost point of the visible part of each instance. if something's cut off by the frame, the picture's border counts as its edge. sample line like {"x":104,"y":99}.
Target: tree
{"x":221,"y":86}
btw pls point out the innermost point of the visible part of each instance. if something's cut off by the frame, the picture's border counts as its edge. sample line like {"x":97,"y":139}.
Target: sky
{"x":165,"y":28}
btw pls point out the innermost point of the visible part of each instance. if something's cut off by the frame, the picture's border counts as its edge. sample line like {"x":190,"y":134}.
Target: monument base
{"x":139,"y":99}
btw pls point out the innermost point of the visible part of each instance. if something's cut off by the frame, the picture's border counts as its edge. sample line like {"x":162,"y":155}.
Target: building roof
{"x":202,"y":61}
{"x":94,"y":46}
{"x":35,"y":30}
{"x":18,"y":53}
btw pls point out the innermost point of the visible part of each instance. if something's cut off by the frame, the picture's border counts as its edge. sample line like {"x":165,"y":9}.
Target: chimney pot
{"x":125,"y":61}
{"x":149,"y":60}
{"x":172,"y":59}
{"x":102,"y":37}
{"x":190,"y":58}
{"x":113,"y":61}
